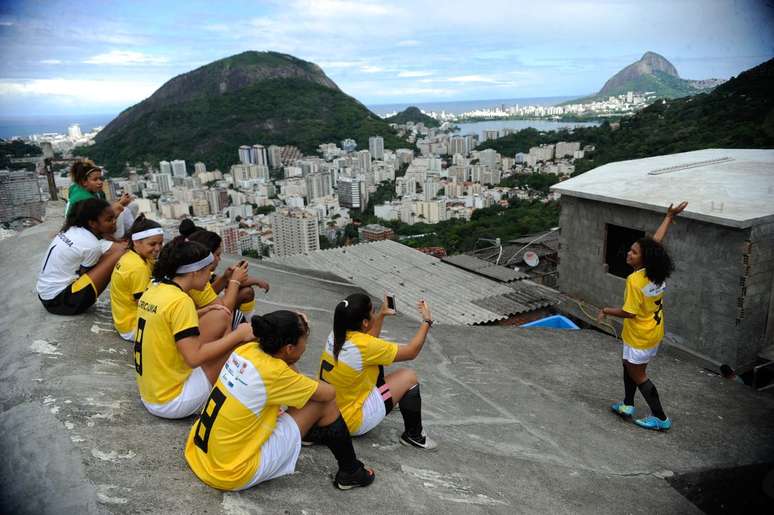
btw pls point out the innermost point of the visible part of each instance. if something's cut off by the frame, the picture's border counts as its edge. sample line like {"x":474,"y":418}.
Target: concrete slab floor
{"x":521,"y":417}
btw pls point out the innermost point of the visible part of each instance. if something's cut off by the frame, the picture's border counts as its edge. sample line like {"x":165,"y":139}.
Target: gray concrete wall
{"x":702,"y":296}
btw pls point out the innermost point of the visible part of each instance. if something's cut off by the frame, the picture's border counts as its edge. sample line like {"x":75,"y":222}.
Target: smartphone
{"x":391,"y":301}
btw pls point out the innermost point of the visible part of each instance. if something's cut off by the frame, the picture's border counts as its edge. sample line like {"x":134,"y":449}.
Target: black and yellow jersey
{"x":224,"y":445}
{"x":131,"y":277}
{"x":355,"y":373}
{"x":165,"y":315}
{"x":643,"y":299}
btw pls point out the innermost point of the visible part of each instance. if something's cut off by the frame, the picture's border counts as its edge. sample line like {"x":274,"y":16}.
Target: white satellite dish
{"x":531,"y":258}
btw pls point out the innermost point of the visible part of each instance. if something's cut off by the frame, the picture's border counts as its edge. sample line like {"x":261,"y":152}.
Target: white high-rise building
{"x":488,"y":158}
{"x":275,"y":156}
{"x":457,"y":146}
{"x":295,"y":231}
{"x":260,"y":156}
{"x":318,"y":185}
{"x":352,"y":192}
{"x":376,"y":147}
{"x":364,"y":160}
{"x":164,"y":181}
{"x":165,"y":167}
{"x":178,"y":168}
{"x":245,"y":155}
{"x":200,"y":167}
{"x":74,"y":131}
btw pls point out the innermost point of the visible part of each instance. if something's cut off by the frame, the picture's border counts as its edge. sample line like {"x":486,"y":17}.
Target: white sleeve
{"x":91,"y":255}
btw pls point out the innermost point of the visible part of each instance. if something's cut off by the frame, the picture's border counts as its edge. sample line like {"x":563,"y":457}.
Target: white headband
{"x":195,"y":267}
{"x":147,"y":233}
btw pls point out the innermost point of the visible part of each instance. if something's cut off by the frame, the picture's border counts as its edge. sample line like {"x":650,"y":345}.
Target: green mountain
{"x":652,"y":72}
{"x":737,"y":114}
{"x":413,"y":114}
{"x":253,"y":97}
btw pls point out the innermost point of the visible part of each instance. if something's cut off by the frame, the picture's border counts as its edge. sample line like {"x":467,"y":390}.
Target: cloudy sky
{"x":92,"y":56}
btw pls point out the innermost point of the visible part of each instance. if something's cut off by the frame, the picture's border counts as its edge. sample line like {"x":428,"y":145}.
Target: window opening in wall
{"x":618,"y":240}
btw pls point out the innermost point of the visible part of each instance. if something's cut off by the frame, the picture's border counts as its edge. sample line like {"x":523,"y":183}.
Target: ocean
{"x":24,"y":126}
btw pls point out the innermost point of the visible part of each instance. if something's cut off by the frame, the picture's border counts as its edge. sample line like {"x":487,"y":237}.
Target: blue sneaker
{"x":619,"y":408}
{"x":654,"y":423}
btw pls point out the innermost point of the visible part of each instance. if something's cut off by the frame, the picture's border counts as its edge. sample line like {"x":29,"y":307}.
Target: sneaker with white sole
{"x":420,"y":442}
{"x":360,"y":477}
{"x":654,"y":423}
{"x":622,"y":409}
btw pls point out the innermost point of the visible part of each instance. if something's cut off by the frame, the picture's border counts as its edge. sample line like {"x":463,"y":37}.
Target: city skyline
{"x":104,"y":58}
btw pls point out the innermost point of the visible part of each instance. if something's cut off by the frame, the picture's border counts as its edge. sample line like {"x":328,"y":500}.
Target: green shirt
{"x":76,"y":194}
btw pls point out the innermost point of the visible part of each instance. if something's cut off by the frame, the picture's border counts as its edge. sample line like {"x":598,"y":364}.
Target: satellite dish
{"x":531,"y":258}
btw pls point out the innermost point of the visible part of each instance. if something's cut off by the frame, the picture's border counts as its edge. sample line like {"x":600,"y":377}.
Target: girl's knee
{"x":410,"y":376}
{"x":246,"y":294}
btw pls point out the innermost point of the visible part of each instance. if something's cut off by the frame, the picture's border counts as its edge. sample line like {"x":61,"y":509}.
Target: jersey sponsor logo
{"x":67,"y":241}
{"x":652,"y":290}
{"x":147,"y":306}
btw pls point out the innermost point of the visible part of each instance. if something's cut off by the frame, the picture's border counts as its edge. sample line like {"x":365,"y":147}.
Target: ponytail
{"x":349,"y":316}
{"x":187,"y":227}
{"x":277,"y":329}
{"x":177,"y":253}
{"x":83,"y":212}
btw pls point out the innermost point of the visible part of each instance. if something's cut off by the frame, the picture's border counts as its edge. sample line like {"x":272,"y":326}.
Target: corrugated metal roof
{"x":482,"y":267}
{"x":452,"y":293}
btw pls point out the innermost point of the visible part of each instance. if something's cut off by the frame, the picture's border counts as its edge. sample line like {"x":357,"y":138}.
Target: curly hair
{"x":84,"y":212}
{"x":655,"y":259}
{"x":277,"y":329}
{"x":81,"y":169}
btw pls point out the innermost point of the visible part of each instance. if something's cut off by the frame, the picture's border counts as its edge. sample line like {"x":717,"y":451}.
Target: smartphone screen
{"x":391,"y":302}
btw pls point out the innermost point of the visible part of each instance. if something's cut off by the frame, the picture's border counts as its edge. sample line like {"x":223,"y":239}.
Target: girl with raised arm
{"x":132,"y":274}
{"x":177,"y":352}
{"x":243,"y":437}
{"x":643,"y":325}
{"x":353,"y":362}
{"x":78,"y":263}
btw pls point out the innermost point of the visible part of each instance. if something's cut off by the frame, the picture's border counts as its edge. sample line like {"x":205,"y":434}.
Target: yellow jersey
{"x":361,"y":363}
{"x":224,"y":445}
{"x":643,"y":299}
{"x":165,"y":315}
{"x":130,"y":278}
{"x":203,"y":297}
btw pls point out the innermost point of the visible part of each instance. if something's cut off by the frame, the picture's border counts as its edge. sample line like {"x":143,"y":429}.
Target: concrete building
{"x":165,"y":167}
{"x":275,"y":156}
{"x":74,"y":132}
{"x":565,"y":149}
{"x":259,"y":155}
{"x":178,"y":168}
{"x":20,"y":195}
{"x":720,"y":299}
{"x":348,"y":145}
{"x":200,"y":207}
{"x":199,"y":167}
{"x":318,"y":185}
{"x":164,"y":181}
{"x":376,"y":147}
{"x":295,"y":231}
{"x":375,"y":232}
{"x":230,"y":235}
{"x":364,"y":161}
{"x":352,"y":192}
{"x":245,"y":155}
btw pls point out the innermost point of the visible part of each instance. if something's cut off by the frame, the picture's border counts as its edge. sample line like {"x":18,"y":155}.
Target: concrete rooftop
{"x":731,"y":187}
{"x":521,"y":417}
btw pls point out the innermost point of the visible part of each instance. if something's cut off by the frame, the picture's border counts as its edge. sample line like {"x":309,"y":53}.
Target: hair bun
{"x":261,"y":326}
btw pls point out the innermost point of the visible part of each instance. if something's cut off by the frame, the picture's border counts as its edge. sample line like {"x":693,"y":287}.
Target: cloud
{"x":341,"y":8}
{"x":408,"y":43}
{"x":472,"y":78}
{"x":50,"y":61}
{"x":125,"y":58}
{"x":92,"y":91}
{"x":371,"y":69}
{"x":338,"y":64}
{"x":417,"y":73}
{"x":406,"y":92}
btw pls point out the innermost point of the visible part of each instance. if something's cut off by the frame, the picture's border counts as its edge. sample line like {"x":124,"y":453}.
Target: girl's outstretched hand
{"x":674,"y":211}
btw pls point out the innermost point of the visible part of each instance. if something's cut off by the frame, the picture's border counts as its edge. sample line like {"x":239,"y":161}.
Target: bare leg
{"x":314,"y":413}
{"x":636,"y":372}
{"x":214,"y":325}
{"x":101,"y":272}
{"x":246,"y":294}
{"x":400,"y":382}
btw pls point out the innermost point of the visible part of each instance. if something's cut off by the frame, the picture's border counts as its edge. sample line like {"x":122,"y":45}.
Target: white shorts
{"x":195,"y":392}
{"x":373,"y":410}
{"x":127,"y":336}
{"x":639,"y":356}
{"x":279,"y":453}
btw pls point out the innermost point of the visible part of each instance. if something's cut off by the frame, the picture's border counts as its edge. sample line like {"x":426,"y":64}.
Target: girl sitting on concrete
{"x":353,"y":362}
{"x":643,"y":325}
{"x":243,"y":436}
{"x":87,"y":182}
{"x":78,"y":263}
{"x":178,"y":353}
{"x":132,"y":274}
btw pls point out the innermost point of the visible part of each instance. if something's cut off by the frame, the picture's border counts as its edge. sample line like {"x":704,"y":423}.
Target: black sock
{"x":411,"y":409}
{"x":648,"y":390}
{"x":336,"y":437}
{"x":630,"y":388}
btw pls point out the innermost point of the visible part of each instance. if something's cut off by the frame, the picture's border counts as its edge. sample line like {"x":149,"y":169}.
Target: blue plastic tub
{"x":553,"y":322}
